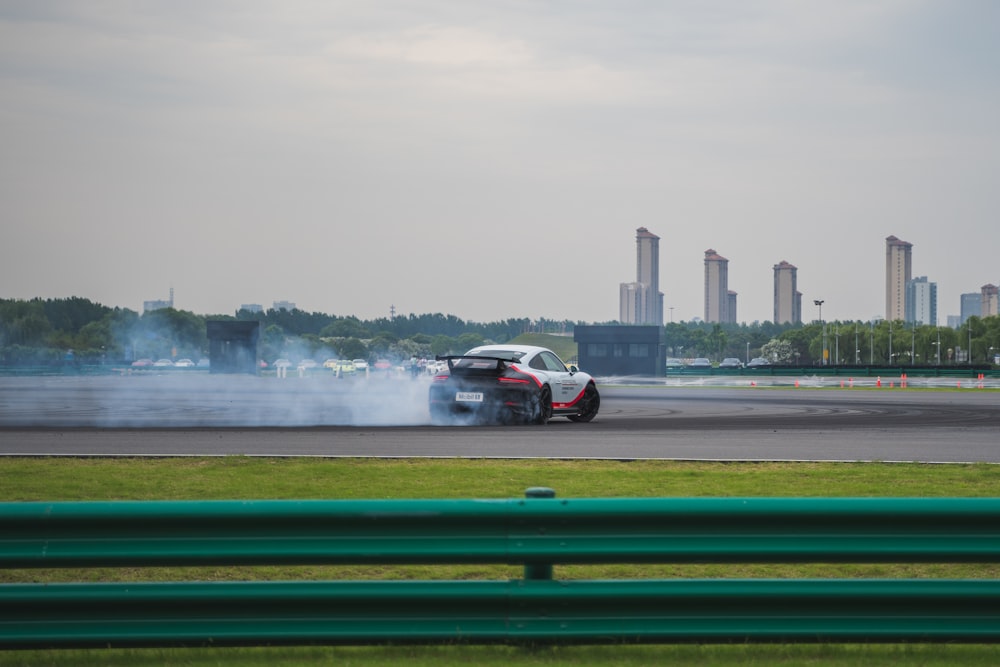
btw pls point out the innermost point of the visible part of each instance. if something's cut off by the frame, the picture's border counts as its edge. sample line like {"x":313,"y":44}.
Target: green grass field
{"x":30,"y":479}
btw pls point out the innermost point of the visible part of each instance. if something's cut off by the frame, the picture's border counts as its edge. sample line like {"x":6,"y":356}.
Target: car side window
{"x":538,"y":363}
{"x":552,"y":362}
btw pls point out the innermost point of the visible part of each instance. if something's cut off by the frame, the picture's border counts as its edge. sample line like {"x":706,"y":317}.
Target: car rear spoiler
{"x":502,"y":362}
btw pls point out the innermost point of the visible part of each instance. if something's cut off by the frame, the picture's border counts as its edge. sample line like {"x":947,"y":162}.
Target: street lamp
{"x":819,"y":303}
{"x":871,"y":343}
{"x":857,"y":347}
{"x":890,"y":342}
{"x":970,"y":341}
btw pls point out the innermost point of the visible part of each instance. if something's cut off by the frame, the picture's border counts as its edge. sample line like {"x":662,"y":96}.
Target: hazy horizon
{"x":493,"y":160}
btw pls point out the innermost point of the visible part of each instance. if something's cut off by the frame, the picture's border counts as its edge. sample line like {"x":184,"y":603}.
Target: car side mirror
{"x":573,"y":369}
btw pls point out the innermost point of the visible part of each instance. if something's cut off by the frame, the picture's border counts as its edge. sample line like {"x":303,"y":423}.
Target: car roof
{"x":525,"y":349}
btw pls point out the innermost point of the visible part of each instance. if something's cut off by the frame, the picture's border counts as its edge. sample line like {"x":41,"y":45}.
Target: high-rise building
{"x":731,"y":307}
{"x":898,"y":272}
{"x":787,"y":298}
{"x":989,"y":297}
{"x":972,"y":304}
{"x":716,"y":287}
{"x":158,"y":304}
{"x":921,"y":301}
{"x":641,"y":302}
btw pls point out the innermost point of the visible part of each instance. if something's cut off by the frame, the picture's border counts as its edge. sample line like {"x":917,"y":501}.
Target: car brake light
{"x":506,"y":380}
{"x":440,"y":378}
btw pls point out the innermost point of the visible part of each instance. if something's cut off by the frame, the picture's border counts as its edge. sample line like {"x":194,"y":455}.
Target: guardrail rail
{"x":538,"y":532}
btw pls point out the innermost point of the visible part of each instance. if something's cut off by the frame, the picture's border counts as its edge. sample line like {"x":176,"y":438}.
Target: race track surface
{"x":171,"y":415}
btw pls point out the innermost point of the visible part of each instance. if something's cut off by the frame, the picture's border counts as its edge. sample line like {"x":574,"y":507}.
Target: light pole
{"x":939,"y":347}
{"x":890,"y":342}
{"x":748,"y":352}
{"x":970,"y":341}
{"x":857,"y":347}
{"x":819,"y":303}
{"x":871,"y":345}
{"x":837,"y":355}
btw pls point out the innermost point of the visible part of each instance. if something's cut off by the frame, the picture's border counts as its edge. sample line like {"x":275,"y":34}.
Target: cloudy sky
{"x":494,"y":159}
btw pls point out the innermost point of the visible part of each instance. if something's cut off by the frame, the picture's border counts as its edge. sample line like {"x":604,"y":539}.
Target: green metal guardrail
{"x":537,"y":532}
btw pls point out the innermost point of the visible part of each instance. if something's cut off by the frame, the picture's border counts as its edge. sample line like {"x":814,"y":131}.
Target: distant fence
{"x":538,"y":532}
{"x":950,"y":371}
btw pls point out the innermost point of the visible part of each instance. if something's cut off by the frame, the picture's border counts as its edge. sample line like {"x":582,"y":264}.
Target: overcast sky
{"x":493,"y":159}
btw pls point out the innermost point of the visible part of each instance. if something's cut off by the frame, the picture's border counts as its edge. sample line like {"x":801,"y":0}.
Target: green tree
{"x":467,"y":341}
{"x":345,"y":327}
{"x":352,"y":348}
{"x":441,"y":345}
{"x":778,"y":351}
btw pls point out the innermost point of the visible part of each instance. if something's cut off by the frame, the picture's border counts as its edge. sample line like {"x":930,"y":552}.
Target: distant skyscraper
{"x":787,"y":298}
{"x":921,"y":301}
{"x":989,"y":300}
{"x":283,"y":305}
{"x":731,"y":307}
{"x":716,"y":287}
{"x":972,"y":304}
{"x":641,"y":302}
{"x":898,"y":272}
{"x":149,"y":306}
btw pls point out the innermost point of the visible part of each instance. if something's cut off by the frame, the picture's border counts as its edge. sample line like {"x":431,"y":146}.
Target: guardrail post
{"x":538,"y":570}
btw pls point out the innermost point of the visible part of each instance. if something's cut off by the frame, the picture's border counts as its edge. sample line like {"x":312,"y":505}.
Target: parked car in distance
{"x":282,"y":363}
{"x":344,"y":367}
{"x":731,"y":362}
{"x":700,"y":362}
{"x":758,"y":361}
{"x":673,"y":362}
{"x":141,"y":363}
{"x":306,"y":364}
{"x":183,"y":363}
{"x":360,"y":365}
{"x":163,"y":363}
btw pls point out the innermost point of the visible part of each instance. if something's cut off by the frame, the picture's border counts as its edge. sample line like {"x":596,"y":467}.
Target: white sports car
{"x":511,"y":383}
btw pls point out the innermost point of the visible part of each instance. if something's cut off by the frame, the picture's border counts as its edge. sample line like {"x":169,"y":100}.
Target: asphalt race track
{"x":200,"y":414}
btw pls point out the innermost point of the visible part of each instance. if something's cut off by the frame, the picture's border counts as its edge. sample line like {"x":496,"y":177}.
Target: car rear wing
{"x":502,"y":362}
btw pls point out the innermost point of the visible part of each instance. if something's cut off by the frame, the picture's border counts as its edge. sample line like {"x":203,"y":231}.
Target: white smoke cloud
{"x":150,"y":399}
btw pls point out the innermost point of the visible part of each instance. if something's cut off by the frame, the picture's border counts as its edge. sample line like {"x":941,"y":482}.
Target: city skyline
{"x":641,"y":301}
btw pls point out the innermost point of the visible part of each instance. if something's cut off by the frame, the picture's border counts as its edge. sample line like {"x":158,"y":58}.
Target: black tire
{"x":542,"y":407}
{"x":589,"y":405}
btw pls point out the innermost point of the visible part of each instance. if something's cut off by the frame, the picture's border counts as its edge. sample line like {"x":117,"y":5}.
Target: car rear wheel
{"x":589,"y":405}
{"x":542,"y":406}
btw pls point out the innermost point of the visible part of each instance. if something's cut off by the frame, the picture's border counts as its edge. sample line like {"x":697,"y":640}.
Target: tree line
{"x":48,"y":331}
